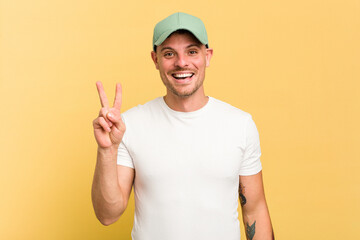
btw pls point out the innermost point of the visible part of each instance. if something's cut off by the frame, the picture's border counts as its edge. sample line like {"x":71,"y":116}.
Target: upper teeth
{"x":183,"y":75}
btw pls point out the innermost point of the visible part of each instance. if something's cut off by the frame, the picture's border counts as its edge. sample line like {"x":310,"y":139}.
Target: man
{"x":189,"y":156}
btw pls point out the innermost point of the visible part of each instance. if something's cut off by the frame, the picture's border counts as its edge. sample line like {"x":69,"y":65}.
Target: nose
{"x":181,"y":61}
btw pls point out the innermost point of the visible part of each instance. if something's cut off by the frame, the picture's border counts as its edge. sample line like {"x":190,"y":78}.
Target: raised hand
{"x":109,"y":128}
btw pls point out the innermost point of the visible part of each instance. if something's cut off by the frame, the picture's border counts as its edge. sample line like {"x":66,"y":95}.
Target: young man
{"x":188,"y":156}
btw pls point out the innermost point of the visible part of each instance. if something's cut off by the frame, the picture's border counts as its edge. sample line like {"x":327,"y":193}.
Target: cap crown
{"x":176,"y":22}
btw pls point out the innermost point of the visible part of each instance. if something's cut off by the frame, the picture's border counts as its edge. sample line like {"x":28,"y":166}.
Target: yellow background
{"x":294,"y":65}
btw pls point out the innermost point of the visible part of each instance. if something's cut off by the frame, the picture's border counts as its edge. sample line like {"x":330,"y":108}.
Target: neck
{"x":186,"y":104}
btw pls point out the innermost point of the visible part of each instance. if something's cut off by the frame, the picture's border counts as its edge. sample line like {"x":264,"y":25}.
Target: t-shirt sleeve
{"x":123,"y":156}
{"x":251,"y":164}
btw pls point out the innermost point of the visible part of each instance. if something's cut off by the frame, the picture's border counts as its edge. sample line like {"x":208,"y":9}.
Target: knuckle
{"x":115,"y":115}
{"x":95,"y":122}
{"x":101,"y":120}
{"x":112,"y":111}
{"x":103,"y":112}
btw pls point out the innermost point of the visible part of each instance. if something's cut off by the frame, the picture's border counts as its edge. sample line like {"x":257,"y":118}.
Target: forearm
{"x":254,"y":208}
{"x":257,"y":223}
{"x":107,"y":198}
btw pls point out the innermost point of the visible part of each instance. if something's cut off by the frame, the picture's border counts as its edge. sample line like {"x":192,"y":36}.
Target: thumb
{"x":115,"y":117}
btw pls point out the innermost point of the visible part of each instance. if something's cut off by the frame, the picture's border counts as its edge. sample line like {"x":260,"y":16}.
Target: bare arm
{"x":111,"y":187}
{"x":112,"y":184}
{"x":255,"y":211}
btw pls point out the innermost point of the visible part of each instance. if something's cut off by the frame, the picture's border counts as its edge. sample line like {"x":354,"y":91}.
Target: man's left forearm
{"x":255,"y":212}
{"x":258,"y":225}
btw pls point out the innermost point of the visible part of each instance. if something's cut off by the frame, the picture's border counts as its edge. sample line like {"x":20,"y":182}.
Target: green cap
{"x":176,"y":22}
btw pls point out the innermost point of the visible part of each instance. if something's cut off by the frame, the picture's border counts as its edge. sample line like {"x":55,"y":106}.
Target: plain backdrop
{"x":294,"y":65}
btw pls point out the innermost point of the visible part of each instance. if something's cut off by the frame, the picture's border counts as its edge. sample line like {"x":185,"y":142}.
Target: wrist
{"x":108,"y":154}
{"x":113,"y":147}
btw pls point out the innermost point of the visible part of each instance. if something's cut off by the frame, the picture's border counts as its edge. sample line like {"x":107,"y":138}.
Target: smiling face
{"x":181,"y":60}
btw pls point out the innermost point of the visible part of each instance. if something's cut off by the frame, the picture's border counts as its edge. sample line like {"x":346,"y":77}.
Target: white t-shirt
{"x":187,"y":167}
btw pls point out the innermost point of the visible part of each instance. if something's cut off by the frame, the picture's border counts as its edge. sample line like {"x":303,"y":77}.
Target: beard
{"x":182,"y":94}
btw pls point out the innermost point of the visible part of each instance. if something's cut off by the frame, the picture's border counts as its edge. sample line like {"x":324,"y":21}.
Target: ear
{"x":209,"y":53}
{"x":155,"y":59}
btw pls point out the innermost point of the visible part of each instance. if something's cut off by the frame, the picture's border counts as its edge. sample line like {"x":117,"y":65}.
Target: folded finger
{"x":103,"y":113}
{"x":113,"y":115}
{"x":102,"y":122}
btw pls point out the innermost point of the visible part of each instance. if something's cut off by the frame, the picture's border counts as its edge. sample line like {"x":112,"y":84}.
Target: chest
{"x":200,"y":152}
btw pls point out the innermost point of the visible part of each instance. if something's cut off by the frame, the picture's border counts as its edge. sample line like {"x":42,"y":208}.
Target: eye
{"x":192,"y":52}
{"x":168,"y":54}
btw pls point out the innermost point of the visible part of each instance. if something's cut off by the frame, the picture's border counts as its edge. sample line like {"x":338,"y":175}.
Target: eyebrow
{"x":194,"y":45}
{"x":189,"y":46}
{"x":166,"y":48}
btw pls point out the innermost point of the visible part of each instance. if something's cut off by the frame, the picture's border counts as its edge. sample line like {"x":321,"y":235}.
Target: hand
{"x":109,"y":128}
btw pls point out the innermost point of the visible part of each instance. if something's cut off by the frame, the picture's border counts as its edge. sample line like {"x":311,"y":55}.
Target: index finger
{"x":103,"y":99}
{"x":118,"y":97}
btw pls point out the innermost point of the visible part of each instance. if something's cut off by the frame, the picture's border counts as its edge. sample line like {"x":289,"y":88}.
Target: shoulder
{"x":140,"y":119}
{"x":229,"y":111}
{"x":142,"y":110}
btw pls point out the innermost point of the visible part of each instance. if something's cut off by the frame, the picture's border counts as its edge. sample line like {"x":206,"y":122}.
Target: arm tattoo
{"x":241,"y":195}
{"x":250,"y":231}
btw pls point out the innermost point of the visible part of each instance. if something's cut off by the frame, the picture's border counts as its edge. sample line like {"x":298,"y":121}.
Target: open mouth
{"x":182,"y":76}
